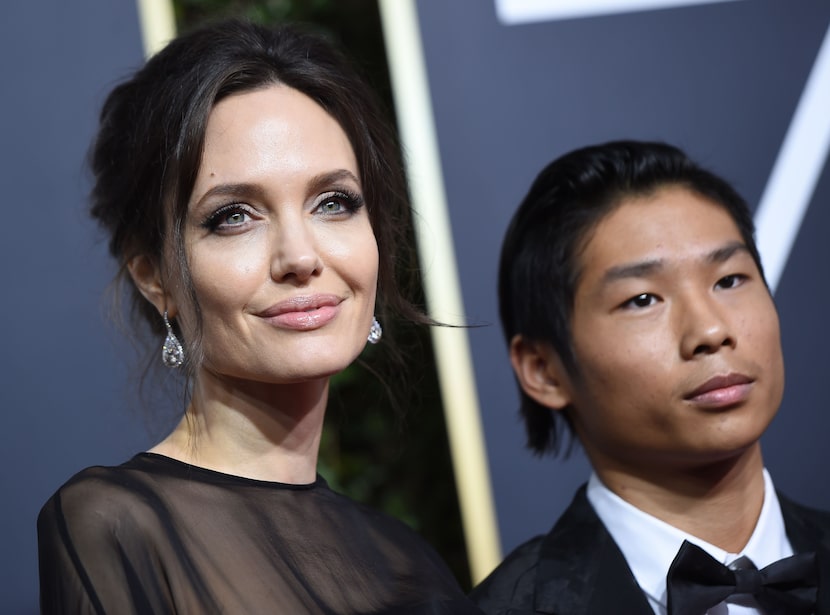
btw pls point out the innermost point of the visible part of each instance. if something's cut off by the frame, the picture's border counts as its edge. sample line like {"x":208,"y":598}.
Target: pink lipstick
{"x":303,"y":312}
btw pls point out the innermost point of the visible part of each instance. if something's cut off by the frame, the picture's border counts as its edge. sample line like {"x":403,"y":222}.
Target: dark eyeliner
{"x":214,"y":219}
{"x":353,"y":200}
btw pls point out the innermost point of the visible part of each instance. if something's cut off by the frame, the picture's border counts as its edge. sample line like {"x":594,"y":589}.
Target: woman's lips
{"x":722,"y":391}
{"x":303,"y":312}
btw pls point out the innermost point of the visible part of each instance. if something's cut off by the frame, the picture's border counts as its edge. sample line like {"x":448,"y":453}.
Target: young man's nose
{"x":705,"y":327}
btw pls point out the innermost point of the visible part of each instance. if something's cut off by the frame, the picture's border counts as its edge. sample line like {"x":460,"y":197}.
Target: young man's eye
{"x":731,"y":281}
{"x":640,"y":301}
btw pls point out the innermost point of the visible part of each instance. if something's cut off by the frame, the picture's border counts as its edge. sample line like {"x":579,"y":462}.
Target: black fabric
{"x":696,"y":582}
{"x":577,"y":568}
{"x":155,"y":535}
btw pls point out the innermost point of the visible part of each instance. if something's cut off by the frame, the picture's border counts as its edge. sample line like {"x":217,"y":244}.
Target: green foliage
{"x":396,"y":461}
{"x":352,"y":24}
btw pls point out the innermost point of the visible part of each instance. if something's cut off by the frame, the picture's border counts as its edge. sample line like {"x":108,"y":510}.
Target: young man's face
{"x":675,"y":336}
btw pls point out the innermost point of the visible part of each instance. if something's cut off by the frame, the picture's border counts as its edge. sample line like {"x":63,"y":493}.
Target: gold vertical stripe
{"x":437,"y":255}
{"x":157,"y":22}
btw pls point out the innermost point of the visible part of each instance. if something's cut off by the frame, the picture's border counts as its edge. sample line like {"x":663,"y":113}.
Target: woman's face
{"x":281,"y":251}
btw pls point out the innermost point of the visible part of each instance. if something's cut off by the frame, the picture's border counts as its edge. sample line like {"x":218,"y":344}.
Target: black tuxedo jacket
{"x":577,"y":569}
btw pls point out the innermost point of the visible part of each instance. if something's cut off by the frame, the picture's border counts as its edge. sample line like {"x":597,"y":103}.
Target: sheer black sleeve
{"x":92,"y":556}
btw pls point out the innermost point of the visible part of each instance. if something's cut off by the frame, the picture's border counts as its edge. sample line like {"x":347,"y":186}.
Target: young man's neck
{"x":719,"y":502}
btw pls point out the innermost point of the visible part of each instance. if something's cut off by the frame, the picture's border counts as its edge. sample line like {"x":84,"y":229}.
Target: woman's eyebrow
{"x":324,"y":180}
{"x":254,"y":191}
{"x":241,"y":190}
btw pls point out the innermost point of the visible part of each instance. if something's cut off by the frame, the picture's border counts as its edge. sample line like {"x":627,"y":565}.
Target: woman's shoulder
{"x":100,"y":534}
{"x":383,"y":530}
{"x":98,"y":496}
{"x":361,"y":513}
{"x":97,"y":481}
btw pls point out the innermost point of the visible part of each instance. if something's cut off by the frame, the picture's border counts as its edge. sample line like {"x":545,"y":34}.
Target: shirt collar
{"x":631,"y":528}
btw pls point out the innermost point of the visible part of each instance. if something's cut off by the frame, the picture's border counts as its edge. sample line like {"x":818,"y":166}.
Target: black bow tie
{"x":696,"y":582}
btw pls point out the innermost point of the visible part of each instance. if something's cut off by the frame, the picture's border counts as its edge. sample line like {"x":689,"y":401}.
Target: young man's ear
{"x":147,"y":276}
{"x":540,"y":372}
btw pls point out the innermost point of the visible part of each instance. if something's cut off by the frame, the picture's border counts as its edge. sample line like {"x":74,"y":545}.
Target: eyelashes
{"x":227,"y":216}
{"x":732,"y":281}
{"x":640,"y":301}
{"x":334,"y":204}
{"x":348,"y":200}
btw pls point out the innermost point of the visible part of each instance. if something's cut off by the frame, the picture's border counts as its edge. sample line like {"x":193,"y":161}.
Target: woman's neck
{"x":251,"y":429}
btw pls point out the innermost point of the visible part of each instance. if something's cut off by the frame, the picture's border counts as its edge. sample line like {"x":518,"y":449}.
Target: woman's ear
{"x":541,"y":373}
{"x":147,"y":276}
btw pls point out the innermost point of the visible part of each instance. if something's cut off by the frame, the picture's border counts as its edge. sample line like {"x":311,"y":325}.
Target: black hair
{"x":539,"y":265}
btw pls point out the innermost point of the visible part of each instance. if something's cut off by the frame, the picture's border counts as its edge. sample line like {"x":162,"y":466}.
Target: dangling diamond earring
{"x":375,"y":333}
{"x":172,"y":353}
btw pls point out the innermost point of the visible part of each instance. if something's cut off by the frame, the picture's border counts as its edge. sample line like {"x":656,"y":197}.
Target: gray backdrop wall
{"x":63,"y":372}
{"x":721,"y":80}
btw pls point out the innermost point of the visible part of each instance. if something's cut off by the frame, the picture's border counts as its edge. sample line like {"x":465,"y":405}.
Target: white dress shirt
{"x":649,"y":545}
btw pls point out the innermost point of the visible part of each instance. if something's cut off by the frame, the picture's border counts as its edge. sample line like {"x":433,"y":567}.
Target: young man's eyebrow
{"x":632,"y":270}
{"x":643,"y":269}
{"x":721,"y":255}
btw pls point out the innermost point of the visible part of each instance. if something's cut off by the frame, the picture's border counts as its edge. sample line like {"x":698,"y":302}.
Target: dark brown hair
{"x":152,"y":129}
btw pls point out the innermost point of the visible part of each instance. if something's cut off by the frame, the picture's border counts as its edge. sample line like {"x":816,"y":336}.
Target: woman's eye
{"x":237,"y":217}
{"x":640,"y":301}
{"x":332,"y":206}
{"x":227,"y":217}
{"x":339,"y":203}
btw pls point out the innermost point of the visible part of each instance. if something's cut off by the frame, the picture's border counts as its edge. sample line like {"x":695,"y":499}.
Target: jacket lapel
{"x":581,"y":569}
{"x":809,"y":530}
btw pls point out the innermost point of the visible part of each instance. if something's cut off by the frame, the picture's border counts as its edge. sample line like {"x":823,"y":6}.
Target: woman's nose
{"x":295,"y":251}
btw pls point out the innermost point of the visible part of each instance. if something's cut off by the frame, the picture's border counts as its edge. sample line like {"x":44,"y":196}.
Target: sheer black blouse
{"x":156,"y":535}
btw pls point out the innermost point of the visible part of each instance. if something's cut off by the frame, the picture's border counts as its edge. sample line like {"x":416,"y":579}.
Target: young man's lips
{"x":722,"y":390}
